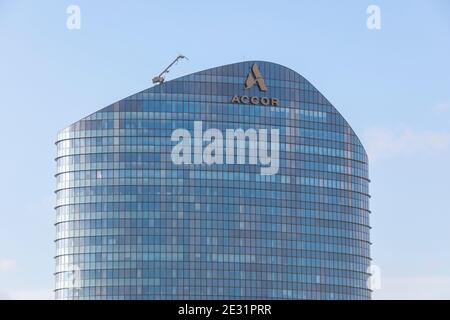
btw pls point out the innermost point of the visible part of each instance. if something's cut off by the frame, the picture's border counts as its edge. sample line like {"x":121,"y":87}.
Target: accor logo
{"x":265,"y":101}
{"x":255,"y":77}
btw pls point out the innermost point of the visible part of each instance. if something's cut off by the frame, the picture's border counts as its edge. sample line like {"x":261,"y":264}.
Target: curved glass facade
{"x":132,"y":224}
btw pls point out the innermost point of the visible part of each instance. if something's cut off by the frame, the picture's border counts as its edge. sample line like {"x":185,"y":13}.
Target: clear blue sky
{"x":392,"y":85}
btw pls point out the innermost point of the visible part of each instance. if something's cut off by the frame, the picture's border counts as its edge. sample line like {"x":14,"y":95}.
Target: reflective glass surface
{"x":130,"y":224}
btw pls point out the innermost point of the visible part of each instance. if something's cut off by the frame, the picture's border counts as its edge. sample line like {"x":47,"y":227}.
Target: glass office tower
{"x":132,"y":224}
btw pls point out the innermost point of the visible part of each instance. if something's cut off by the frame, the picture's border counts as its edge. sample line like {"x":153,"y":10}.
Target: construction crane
{"x":160,"y":78}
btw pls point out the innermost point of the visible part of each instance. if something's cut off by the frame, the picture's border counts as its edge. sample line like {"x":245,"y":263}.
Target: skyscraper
{"x":153,"y":201}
